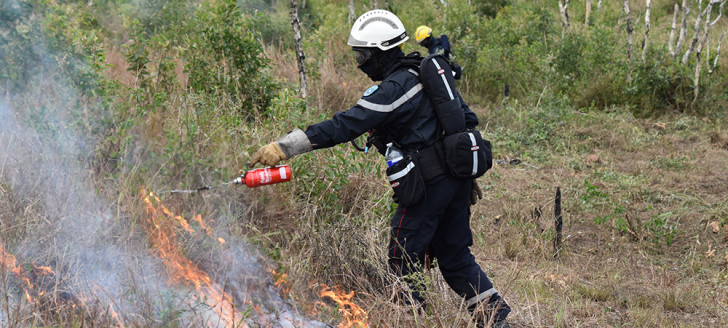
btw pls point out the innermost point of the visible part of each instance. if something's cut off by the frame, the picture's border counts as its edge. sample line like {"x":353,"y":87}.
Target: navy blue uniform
{"x":399,"y":111}
{"x":440,"y":45}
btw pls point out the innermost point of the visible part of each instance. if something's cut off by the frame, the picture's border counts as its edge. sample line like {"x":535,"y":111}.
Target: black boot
{"x":492,"y":313}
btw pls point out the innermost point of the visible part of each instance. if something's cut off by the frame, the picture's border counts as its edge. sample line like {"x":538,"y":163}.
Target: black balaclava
{"x":377,"y":66}
{"x":426,"y":42}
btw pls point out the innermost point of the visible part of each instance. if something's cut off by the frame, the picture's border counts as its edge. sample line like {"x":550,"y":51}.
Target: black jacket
{"x":397,"y":110}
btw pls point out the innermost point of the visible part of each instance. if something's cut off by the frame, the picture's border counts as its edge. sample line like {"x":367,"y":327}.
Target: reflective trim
{"x":402,"y":173}
{"x":475,"y":153}
{"x":486,"y":295}
{"x":444,"y":80}
{"x":415,"y":73}
{"x":391,"y":107}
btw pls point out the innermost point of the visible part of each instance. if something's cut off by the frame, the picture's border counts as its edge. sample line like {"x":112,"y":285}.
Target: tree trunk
{"x":717,"y":54}
{"x":352,"y":14}
{"x":696,"y":35}
{"x":628,"y":16}
{"x":645,"y":41}
{"x":564,"y":12}
{"x":683,"y":27}
{"x":588,"y":12}
{"x":300,"y":56}
{"x":671,"y":41}
{"x":707,"y":26}
{"x":376,"y":4}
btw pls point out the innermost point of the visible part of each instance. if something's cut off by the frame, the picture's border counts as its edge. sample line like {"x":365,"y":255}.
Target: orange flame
{"x":354,"y":316}
{"x":163,"y":237}
{"x":11,"y":263}
{"x":281,"y":281}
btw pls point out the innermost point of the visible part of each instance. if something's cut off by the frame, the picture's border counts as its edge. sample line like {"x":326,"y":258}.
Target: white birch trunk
{"x":707,"y":26}
{"x":300,"y":56}
{"x":564,"y":12}
{"x":352,"y":14}
{"x":683,"y":27}
{"x":701,"y":45}
{"x":376,"y":4}
{"x":717,"y":54}
{"x":671,"y":41}
{"x":599,"y":5}
{"x":645,"y":41}
{"x":696,"y":35}
{"x":629,"y":29}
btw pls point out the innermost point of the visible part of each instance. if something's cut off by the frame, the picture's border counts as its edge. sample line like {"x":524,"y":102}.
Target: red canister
{"x":267,"y":175}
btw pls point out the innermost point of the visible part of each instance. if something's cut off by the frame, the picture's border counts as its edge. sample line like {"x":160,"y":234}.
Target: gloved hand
{"x":268,"y":155}
{"x":475,"y":193}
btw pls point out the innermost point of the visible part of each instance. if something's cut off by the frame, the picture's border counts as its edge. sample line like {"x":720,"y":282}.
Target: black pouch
{"x":406,"y":181}
{"x":466,"y":154}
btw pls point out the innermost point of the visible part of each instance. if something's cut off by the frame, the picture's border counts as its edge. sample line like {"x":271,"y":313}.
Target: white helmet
{"x":377,"y":28}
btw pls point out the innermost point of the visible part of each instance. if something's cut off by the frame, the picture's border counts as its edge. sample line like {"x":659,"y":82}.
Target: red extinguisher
{"x":265,"y":176}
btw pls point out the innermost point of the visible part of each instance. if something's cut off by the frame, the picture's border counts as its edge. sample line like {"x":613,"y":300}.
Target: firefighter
{"x":398,"y":112}
{"x":441,"y":45}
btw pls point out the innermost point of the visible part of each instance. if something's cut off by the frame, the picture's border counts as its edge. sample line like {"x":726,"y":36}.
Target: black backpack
{"x":464,"y":152}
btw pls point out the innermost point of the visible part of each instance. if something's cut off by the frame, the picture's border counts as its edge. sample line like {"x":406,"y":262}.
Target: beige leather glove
{"x":294,"y":143}
{"x":475,"y":193}
{"x":268,"y":155}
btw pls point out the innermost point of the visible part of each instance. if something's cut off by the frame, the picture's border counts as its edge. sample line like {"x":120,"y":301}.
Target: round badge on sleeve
{"x":371,"y":90}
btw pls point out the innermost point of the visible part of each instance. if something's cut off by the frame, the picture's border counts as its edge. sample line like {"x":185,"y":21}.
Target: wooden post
{"x":647,"y":32}
{"x":558,"y":223}
{"x":300,"y":56}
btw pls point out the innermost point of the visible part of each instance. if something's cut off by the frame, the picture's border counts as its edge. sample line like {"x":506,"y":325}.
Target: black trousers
{"x":440,"y":221}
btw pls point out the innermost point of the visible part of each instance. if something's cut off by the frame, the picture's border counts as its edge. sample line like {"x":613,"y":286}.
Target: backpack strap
{"x":437,"y":80}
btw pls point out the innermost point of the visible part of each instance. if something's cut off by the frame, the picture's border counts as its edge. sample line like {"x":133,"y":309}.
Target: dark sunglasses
{"x":363,"y":54}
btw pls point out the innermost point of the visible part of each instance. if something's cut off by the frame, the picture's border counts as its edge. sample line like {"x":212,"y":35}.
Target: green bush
{"x":223,"y":56}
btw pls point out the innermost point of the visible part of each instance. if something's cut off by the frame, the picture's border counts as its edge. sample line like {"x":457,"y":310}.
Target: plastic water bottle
{"x":392,"y":154}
